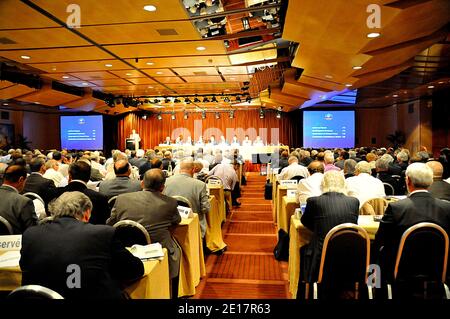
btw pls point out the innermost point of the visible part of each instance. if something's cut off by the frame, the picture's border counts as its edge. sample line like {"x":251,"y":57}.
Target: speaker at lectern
{"x":130,"y":144}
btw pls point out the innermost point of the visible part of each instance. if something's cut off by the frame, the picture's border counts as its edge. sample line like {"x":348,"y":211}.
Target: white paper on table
{"x":152,"y":251}
{"x":10,"y":259}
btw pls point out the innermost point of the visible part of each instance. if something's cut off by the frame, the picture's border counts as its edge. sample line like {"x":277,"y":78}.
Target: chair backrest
{"x":5,"y":227}
{"x":422,"y":253}
{"x":33,"y":292}
{"x":374,"y":206}
{"x":111,"y":202}
{"x":39,"y":204}
{"x":34,"y":196}
{"x":183,"y":201}
{"x":46,"y":220}
{"x":213,"y":177}
{"x":345,"y":255}
{"x":388,"y":189}
{"x":297,"y":177}
{"x":130,"y":232}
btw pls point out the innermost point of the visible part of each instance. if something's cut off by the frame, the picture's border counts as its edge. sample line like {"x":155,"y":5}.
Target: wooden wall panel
{"x":42,"y":129}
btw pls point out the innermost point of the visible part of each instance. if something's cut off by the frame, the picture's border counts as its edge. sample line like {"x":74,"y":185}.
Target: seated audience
{"x":310,"y":186}
{"x":322,"y":213}
{"x":79,"y":174}
{"x":363,"y":185}
{"x":167,"y":160}
{"x":50,"y":250}
{"x":17,"y":209}
{"x":36,"y":183}
{"x":122,"y":183}
{"x":439,"y":189}
{"x":52,"y":173}
{"x":328,"y":160}
{"x":294,"y":169}
{"x":183,"y":184}
{"x":382,"y":167}
{"x":150,"y":208}
{"x":283,"y":162}
{"x":419,"y":207}
{"x":227,"y":174}
{"x":349,"y":168}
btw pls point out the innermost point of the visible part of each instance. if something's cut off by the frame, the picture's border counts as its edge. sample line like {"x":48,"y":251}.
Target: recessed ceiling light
{"x":25,"y":57}
{"x":348,"y":85}
{"x":5,"y":104}
{"x":150,"y":8}
{"x":37,"y":102}
{"x":129,"y":74}
{"x":328,"y":76}
{"x":84,"y":83}
{"x":201,"y":48}
{"x":373,"y":35}
{"x":431,"y":86}
{"x":440,"y":82}
{"x":159,"y":72}
{"x":395,"y":95}
{"x":108,"y":65}
{"x":65,"y":77}
{"x":150,"y":87}
{"x":54,"y":69}
{"x":232,"y":79}
{"x":150,"y":63}
{"x":357,"y":67}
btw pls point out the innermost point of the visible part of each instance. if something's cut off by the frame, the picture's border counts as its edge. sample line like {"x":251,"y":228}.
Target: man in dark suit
{"x":17,"y":209}
{"x":37,"y":184}
{"x":79,"y":174}
{"x":439,"y":189}
{"x":76,"y":259}
{"x":324,"y":212}
{"x":151,"y":207}
{"x":419,"y":207}
{"x":121,"y":183}
{"x":382,"y":168}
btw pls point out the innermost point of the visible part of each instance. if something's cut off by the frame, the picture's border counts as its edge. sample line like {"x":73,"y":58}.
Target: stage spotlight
{"x":205,"y":99}
{"x":214,"y":99}
{"x":173,"y":116}
{"x":166,"y":100}
{"x":244,"y":88}
{"x":226,"y":99}
{"x":196,"y":100}
{"x":187,"y":101}
{"x":231,"y":114}
{"x":238,"y":99}
{"x":261,"y":113}
{"x":203,"y":115}
{"x":146,"y":101}
{"x":186,"y":116}
{"x":110,"y":102}
{"x":177,"y":100}
{"x":156,"y":101}
{"x":217,"y":115}
{"x":248,"y":99}
{"x":118,"y":101}
{"x":125,"y":102}
{"x":278,"y":114}
{"x":246,"y":83}
{"x":159,"y":117}
{"x":144,"y":117}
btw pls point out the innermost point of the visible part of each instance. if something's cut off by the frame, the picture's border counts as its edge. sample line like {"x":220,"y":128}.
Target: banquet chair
{"x":46,"y":220}
{"x":421,"y":260}
{"x":39,"y":204}
{"x":344,"y":263}
{"x":388,"y":189}
{"x":111,"y":202}
{"x":374,"y":206}
{"x":130,"y":233}
{"x":33,"y":292}
{"x":5,"y":227}
{"x":183,"y":201}
{"x":297,"y":178}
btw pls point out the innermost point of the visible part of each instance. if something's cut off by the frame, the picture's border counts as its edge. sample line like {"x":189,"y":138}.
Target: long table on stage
{"x":245,"y":151}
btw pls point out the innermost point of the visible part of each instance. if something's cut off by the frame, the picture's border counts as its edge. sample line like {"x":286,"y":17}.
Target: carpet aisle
{"x":248,"y":269}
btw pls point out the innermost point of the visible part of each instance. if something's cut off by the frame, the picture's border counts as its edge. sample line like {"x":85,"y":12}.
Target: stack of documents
{"x":152,"y":251}
{"x":10,"y":259}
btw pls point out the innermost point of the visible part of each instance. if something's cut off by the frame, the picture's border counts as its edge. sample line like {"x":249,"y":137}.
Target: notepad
{"x":152,"y":251}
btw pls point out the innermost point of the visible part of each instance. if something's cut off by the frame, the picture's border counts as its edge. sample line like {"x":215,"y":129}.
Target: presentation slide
{"x":82,"y":132}
{"x":329,"y":129}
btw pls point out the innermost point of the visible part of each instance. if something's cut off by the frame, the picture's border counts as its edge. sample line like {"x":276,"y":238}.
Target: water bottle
{"x":169,"y":169}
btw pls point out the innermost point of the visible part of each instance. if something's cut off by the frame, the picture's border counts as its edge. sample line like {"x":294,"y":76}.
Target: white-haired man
{"x":420,"y":206}
{"x":363,"y":185}
{"x":294,"y":169}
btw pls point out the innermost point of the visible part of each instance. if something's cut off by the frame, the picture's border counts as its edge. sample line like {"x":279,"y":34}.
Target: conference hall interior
{"x":225,"y":149}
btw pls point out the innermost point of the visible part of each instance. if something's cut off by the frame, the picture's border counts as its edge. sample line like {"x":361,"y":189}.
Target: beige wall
{"x":378,"y":123}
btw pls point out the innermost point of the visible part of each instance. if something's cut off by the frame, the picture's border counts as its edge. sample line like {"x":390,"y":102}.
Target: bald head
{"x":154,"y":180}
{"x":315,"y":167}
{"x":187,"y":166}
{"x":122,"y":168}
{"x":437,"y":168}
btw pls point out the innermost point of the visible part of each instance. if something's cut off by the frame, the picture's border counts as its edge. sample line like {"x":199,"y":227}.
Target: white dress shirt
{"x":227,"y":173}
{"x":365,"y":187}
{"x":292,"y":170}
{"x":309,"y":187}
{"x":56,"y":177}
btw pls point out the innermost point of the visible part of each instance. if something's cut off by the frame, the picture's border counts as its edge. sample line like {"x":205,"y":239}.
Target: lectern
{"x":130,"y":144}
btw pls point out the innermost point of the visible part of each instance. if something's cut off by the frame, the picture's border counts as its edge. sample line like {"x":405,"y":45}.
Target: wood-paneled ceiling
{"x":124,"y":50}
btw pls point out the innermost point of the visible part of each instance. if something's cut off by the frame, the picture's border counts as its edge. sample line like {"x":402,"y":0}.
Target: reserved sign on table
{"x":291,"y":193}
{"x":10,"y":242}
{"x":289,"y":183}
{"x":185,"y":212}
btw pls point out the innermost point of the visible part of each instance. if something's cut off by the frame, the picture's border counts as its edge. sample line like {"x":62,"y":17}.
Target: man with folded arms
{"x":53,"y":253}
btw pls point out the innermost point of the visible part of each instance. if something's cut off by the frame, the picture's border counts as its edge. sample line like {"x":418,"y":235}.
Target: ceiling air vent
{"x":164,"y":32}
{"x":7,"y":41}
